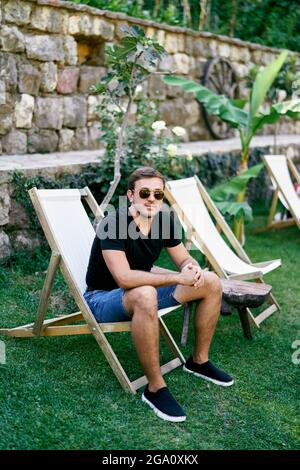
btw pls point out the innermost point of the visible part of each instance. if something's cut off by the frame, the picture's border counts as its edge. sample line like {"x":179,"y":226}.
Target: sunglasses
{"x":144,"y":193}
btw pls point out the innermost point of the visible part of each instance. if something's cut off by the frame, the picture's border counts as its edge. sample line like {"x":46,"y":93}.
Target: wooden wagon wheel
{"x":220,"y":77}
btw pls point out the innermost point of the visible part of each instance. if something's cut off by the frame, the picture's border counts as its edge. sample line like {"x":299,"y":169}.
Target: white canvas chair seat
{"x":280,"y":169}
{"x":70,"y":235}
{"x":194,"y":208}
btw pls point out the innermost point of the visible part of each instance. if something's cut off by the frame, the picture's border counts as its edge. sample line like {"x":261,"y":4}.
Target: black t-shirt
{"x":118,"y":231}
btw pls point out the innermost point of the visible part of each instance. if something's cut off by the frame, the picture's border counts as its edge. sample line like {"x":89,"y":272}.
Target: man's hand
{"x":192,"y":275}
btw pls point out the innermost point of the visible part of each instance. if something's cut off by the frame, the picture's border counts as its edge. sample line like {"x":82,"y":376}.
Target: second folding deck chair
{"x":70,"y":235}
{"x":194,"y":208}
{"x":280,"y":169}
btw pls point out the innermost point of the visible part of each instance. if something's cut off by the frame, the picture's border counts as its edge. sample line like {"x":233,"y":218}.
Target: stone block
{"x":12,"y":40}
{"x":43,"y":141}
{"x":6,"y":118}
{"x":52,"y":20}
{"x":8,"y":71}
{"x":18,"y":216}
{"x":24,"y":111}
{"x":74,"y":111}
{"x":5,"y":246}
{"x":166,"y":64}
{"x":94,"y":136}
{"x":45,"y":48}
{"x":67,"y":80}
{"x":15,"y":142}
{"x":48,"y":76}
{"x":89,"y":76}
{"x":49,"y":113}
{"x":4,"y":205}
{"x":74,"y":24}
{"x":193,"y":113}
{"x":189,"y":45}
{"x":24,"y":240}
{"x":201,"y":47}
{"x":17,"y":12}
{"x":93,"y":102}
{"x":65,"y":140}
{"x":157,"y":88}
{"x":81,"y":139}
{"x":119,"y":29}
{"x":2,"y":92}
{"x":174,"y":112}
{"x":171,"y":43}
{"x":29,"y":79}
{"x":85,"y":24}
{"x":181,"y":63}
{"x":70,"y":48}
{"x":102,"y":28}
{"x":224,"y":50}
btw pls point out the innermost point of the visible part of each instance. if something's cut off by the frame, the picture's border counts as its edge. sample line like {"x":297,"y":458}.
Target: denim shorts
{"x":108,"y":306}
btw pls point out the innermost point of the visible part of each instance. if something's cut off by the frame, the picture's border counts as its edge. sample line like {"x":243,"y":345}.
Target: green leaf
{"x":134,"y":31}
{"x":235,"y":185}
{"x":239,"y":103}
{"x":218,"y":105}
{"x":286,"y":108}
{"x":236,"y":210}
{"x":262,"y":84}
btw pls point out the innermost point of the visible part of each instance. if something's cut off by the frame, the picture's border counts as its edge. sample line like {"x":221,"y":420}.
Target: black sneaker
{"x":209,"y":372}
{"x":164,"y":405}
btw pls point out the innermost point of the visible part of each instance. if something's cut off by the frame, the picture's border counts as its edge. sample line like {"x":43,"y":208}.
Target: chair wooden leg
{"x":170,"y":341}
{"x":52,"y":268}
{"x":245,"y":322}
{"x":186,"y":323}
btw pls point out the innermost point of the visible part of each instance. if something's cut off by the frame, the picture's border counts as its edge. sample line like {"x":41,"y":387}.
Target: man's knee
{"x":213,"y":284}
{"x":142,"y":298}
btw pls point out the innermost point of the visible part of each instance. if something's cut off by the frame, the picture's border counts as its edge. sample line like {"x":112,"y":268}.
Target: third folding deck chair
{"x":70,"y":235}
{"x":194,"y":208}
{"x":280,"y":169}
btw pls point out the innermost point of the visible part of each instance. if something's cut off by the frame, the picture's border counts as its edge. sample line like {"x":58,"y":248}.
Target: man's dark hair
{"x":143,"y":172}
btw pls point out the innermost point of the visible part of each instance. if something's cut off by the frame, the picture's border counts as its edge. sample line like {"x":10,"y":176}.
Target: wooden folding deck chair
{"x":280,"y":169}
{"x":193,"y":206}
{"x":70,"y":235}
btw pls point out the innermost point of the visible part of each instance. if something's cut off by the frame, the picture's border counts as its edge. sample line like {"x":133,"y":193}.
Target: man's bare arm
{"x":159,"y":270}
{"x":181,"y":257}
{"x":127,"y":278}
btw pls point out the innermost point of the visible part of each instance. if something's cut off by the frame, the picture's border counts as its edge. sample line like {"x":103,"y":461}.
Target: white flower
{"x":138,"y":90}
{"x":113,"y":84}
{"x":172,"y":150}
{"x":179,"y":131}
{"x":111,"y":107}
{"x":189,"y":155}
{"x":281,"y":95}
{"x":158,"y":125}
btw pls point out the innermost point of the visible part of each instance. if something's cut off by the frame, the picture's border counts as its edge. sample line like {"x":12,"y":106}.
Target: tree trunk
{"x":203,"y":4}
{"x":239,"y":224}
{"x":156,"y":7}
{"x":187,"y":12}
{"x":233,"y":17}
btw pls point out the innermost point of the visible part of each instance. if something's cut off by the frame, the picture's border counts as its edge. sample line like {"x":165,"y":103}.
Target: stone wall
{"x":51,"y":52}
{"x":17,"y":232}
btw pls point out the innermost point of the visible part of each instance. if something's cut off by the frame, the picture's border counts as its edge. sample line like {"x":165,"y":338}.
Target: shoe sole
{"x":216,"y":382}
{"x":160,"y":414}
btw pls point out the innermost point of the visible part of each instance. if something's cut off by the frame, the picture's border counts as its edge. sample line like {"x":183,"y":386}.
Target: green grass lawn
{"x":60,"y":393}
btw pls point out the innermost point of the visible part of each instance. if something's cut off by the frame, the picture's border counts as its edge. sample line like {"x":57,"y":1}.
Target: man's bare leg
{"x":207,"y":311}
{"x":141,"y":302}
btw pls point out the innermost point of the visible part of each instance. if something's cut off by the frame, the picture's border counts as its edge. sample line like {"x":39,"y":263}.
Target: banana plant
{"x":224,"y":195}
{"x":247,"y":116}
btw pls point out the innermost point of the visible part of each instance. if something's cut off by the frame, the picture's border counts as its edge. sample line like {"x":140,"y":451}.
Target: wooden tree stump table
{"x":238,"y":294}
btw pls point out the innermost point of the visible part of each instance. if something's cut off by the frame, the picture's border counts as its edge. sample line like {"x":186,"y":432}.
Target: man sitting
{"x":123,"y":284}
